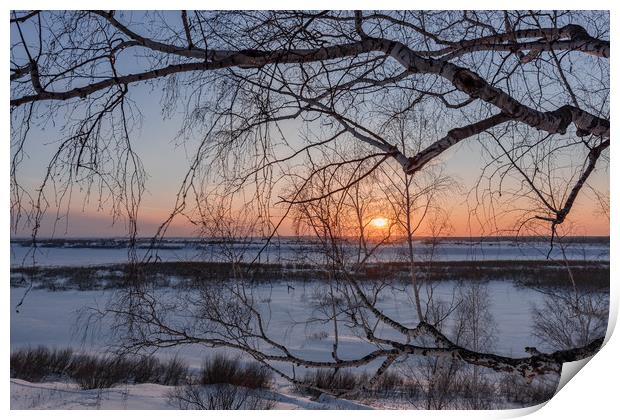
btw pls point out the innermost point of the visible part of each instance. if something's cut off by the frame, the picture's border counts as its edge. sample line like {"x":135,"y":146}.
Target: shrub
{"x":219,"y":369}
{"x":173,"y":372}
{"x":219,"y":397}
{"x":342,"y":380}
{"x":60,"y":360}
{"x":389,"y":384}
{"x":146,"y":369}
{"x":40,"y":363}
{"x":92,"y":372}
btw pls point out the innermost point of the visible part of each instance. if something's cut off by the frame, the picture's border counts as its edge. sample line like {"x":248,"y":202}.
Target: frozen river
{"x":51,"y":318}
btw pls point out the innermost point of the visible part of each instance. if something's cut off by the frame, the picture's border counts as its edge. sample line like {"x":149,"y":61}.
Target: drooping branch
{"x":593,"y":156}
{"x":160,"y":334}
{"x":463,"y":79}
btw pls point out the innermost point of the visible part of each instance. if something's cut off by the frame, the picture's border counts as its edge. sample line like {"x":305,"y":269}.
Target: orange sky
{"x":585,"y":220}
{"x":166,"y":164}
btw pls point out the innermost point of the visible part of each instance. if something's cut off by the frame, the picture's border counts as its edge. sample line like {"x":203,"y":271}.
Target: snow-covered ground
{"x":66,"y":396}
{"x":61,"y":395}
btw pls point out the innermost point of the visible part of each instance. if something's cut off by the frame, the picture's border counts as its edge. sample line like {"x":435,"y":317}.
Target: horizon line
{"x":421,"y":237}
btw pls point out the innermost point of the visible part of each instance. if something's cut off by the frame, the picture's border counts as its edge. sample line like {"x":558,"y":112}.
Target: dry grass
{"x":515,"y":389}
{"x":587,"y":274}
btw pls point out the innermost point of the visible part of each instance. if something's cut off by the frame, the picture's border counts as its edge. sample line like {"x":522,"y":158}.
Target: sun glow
{"x":379,"y":222}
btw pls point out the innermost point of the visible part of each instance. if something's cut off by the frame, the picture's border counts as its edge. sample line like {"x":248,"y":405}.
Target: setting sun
{"x":379,"y":222}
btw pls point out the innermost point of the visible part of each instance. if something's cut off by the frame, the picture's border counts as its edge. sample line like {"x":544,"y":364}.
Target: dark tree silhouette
{"x":382,"y":96}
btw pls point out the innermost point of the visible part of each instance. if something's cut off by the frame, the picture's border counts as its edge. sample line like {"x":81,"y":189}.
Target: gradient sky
{"x":166,"y":162}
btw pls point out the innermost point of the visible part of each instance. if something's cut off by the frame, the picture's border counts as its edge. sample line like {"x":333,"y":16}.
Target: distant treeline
{"x":179,"y":243}
{"x":588,"y":274}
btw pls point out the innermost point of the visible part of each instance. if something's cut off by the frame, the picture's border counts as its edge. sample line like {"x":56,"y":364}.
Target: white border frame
{"x":591,"y":395}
